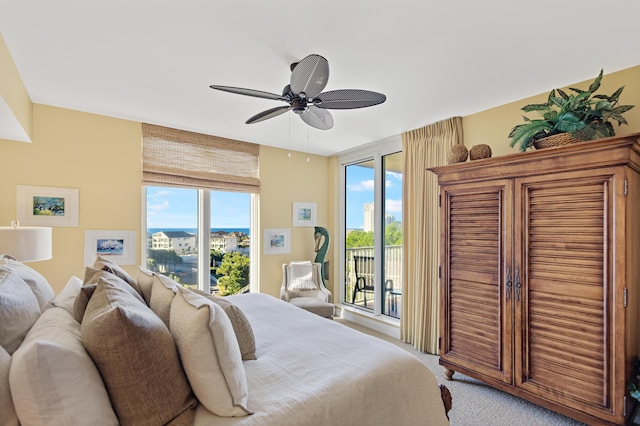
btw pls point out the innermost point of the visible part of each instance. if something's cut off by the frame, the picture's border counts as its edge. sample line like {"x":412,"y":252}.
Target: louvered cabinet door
{"x":563,"y":309}
{"x":475,"y":315}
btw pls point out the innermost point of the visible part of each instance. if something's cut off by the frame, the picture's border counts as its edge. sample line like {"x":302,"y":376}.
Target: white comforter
{"x":313,"y":371}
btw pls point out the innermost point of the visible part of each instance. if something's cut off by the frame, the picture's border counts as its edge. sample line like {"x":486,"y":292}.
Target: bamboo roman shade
{"x":172,"y":157}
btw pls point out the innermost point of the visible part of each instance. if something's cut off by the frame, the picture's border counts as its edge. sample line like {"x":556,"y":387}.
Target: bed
{"x":304,"y":369}
{"x":314,"y":371}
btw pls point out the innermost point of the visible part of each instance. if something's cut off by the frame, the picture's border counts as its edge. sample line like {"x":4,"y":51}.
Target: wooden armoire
{"x":539,"y":275}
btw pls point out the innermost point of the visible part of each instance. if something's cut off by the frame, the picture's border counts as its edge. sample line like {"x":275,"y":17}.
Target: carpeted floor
{"x":475,"y":403}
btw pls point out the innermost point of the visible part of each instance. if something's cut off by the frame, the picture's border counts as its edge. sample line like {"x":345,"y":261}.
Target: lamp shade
{"x":26,"y":243}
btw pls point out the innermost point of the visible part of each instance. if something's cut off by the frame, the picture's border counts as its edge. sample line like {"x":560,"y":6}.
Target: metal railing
{"x":392,"y":282}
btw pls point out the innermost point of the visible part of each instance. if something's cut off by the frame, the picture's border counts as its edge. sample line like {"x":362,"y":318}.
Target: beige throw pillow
{"x":144,"y":278}
{"x":137,"y":358}
{"x":210,"y":354}
{"x":110,"y":266}
{"x":91,"y":278}
{"x":162,"y":293}
{"x":241,"y":325}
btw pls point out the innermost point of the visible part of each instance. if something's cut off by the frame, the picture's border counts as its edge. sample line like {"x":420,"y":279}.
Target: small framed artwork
{"x":277,"y":241}
{"x":117,"y":246}
{"x":304,"y":214}
{"x":45,"y":206}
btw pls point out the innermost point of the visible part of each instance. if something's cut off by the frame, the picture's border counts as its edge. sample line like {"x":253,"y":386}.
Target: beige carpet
{"x":475,"y":403}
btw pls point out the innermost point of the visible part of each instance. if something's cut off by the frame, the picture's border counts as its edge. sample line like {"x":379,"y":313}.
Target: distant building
{"x":179,"y":241}
{"x":369,"y":217}
{"x":389,"y":219}
{"x":223,"y":242}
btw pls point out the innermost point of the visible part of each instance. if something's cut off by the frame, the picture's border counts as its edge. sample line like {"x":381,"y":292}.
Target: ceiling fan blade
{"x":318,"y":118}
{"x":348,"y":99}
{"x":310,"y":76}
{"x":270,"y":113}
{"x":249,"y":92}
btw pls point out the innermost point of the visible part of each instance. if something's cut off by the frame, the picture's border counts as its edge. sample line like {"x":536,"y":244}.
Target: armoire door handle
{"x":508,"y":284}
{"x":517,"y":284}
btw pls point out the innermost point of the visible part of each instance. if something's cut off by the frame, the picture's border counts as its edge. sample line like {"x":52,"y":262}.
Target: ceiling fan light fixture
{"x":305,"y":97}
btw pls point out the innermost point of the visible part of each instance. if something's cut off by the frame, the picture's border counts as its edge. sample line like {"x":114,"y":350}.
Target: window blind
{"x":172,"y":157}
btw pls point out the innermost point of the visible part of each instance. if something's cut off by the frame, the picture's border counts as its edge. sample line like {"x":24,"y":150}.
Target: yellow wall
{"x":101,"y":156}
{"x":285,"y":180}
{"x":492,"y":126}
{"x":98,"y":155}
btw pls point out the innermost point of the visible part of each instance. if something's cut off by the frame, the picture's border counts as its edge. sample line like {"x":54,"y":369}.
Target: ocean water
{"x":195,"y":231}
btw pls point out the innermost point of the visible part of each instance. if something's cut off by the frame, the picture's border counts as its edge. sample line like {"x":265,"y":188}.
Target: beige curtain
{"x":423,"y":148}
{"x":172,"y":157}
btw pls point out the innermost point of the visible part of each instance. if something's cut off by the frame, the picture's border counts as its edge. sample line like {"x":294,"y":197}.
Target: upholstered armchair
{"x":302,"y":286}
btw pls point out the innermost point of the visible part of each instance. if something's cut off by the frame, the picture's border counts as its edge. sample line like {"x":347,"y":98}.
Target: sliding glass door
{"x":373,"y":234}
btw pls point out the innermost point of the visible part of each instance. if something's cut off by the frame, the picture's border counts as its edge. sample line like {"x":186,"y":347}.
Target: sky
{"x":178,"y":207}
{"x":360,"y":182}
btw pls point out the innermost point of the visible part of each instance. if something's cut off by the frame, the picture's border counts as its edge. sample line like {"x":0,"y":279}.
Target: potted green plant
{"x":579,"y":116}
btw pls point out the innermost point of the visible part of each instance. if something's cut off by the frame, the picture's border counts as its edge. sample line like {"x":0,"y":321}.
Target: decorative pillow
{"x":19,"y":310}
{"x":144,"y":278}
{"x":8,"y":415}
{"x":241,"y":325}
{"x":38,"y":284}
{"x":91,"y":278}
{"x":67,"y":297}
{"x":136,"y":356}
{"x":53,"y":379}
{"x":162,"y":293}
{"x":301,"y":276}
{"x":210,"y":354}
{"x":82,"y":300}
{"x":107,"y":265}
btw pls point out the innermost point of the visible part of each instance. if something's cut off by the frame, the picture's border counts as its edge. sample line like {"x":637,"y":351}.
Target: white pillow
{"x":301,"y":276}
{"x":66,"y":299}
{"x":19,"y":309}
{"x":8,"y":415}
{"x":53,"y":380}
{"x":162,"y":292}
{"x":38,"y":284}
{"x":210,"y":354}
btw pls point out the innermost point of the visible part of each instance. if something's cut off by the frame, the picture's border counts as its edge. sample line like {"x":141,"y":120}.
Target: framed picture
{"x":117,"y":246}
{"x":277,"y":241}
{"x":44,"y":206}
{"x":304,"y":214}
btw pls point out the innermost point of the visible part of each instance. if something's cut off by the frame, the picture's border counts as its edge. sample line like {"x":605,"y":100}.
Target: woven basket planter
{"x":555,"y":140}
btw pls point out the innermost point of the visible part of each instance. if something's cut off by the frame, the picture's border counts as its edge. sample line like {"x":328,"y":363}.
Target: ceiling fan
{"x":305,"y":97}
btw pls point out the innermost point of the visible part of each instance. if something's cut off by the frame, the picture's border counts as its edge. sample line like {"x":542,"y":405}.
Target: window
{"x":183,"y":219}
{"x":392,"y":235}
{"x":172,"y":214}
{"x":360,"y":235}
{"x":372,"y":229}
{"x":175,"y":229}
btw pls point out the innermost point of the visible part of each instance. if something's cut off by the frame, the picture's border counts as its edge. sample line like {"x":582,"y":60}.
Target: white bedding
{"x":313,"y":371}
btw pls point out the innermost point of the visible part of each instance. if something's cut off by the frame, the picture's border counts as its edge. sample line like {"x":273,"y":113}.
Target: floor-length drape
{"x":423,"y":148}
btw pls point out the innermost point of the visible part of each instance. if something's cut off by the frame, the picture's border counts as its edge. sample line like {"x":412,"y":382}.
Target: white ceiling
{"x":153,"y":61}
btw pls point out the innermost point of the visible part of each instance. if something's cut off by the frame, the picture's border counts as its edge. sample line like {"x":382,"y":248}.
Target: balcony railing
{"x":392,"y":282}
